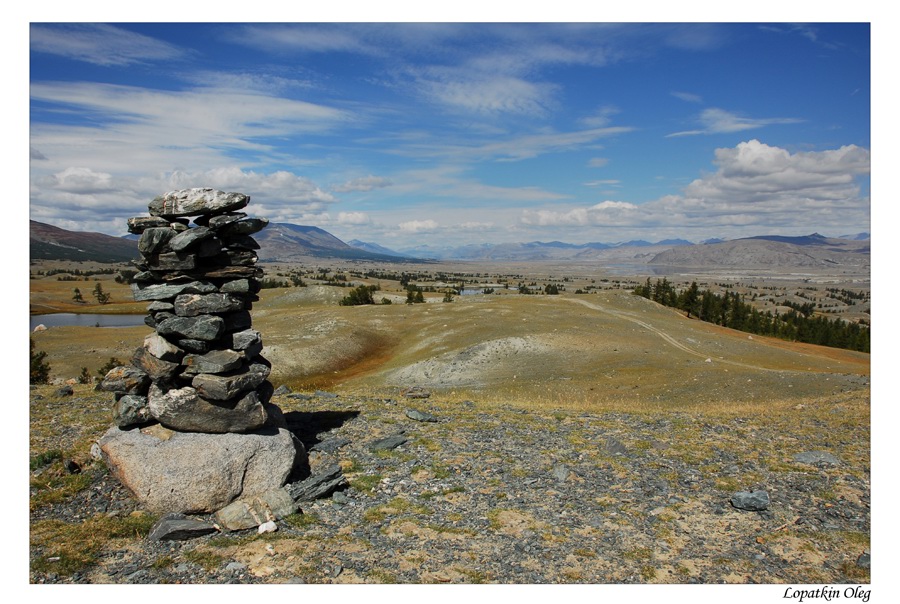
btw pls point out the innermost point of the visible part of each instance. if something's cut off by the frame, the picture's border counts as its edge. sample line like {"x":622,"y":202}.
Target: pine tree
{"x":40,"y":370}
{"x":102,"y":296}
{"x":690,"y":300}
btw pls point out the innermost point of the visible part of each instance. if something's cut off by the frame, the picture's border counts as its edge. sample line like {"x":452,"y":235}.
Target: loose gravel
{"x":487,"y":494}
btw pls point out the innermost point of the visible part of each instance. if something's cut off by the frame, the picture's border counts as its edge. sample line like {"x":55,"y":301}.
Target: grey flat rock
{"x":816,"y":458}
{"x":320,"y":484}
{"x":386,"y":444}
{"x":178,"y":527}
{"x":420,"y":416}
{"x":755,"y":501}
{"x":329,"y":446}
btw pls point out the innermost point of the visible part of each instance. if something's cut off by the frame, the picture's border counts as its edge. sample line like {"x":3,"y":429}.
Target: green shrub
{"x":359,"y":296}
{"x":111,"y":364}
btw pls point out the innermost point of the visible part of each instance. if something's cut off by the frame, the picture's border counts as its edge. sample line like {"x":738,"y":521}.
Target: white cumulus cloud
{"x":80,"y":181}
{"x":353,"y":218}
{"x":756,"y":189}
{"x":418,"y":226}
{"x":103,"y":202}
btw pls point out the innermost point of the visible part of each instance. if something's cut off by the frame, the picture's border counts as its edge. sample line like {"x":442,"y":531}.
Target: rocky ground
{"x":494,"y":494}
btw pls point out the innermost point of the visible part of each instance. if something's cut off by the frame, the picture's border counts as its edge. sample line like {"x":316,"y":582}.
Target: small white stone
{"x":267,"y":527}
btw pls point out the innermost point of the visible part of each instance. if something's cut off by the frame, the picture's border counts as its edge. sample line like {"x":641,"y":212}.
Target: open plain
{"x":592,"y":437}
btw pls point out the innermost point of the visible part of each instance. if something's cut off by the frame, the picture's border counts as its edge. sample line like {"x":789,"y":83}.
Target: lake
{"x":85,"y":320}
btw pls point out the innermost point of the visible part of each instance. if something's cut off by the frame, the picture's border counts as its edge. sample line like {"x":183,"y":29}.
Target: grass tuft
{"x":45,"y":458}
{"x":210,"y":561}
{"x":365,"y":483}
{"x":56,"y":485}
{"x":66,"y":548}
{"x":300,"y":520}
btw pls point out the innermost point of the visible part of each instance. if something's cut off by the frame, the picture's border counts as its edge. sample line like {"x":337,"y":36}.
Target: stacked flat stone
{"x":195,"y":429}
{"x":203,"y":364}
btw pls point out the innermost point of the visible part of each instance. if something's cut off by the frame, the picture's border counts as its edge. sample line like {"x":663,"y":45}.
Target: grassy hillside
{"x":605,"y":349}
{"x":612,"y":348}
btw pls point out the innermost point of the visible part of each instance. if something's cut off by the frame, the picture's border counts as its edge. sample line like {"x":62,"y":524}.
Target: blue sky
{"x":456,"y":133}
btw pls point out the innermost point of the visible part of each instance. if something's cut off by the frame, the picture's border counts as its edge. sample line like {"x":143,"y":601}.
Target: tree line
{"x":730,"y":310}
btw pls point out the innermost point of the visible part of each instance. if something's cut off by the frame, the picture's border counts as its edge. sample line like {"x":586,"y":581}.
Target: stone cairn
{"x":194,"y":429}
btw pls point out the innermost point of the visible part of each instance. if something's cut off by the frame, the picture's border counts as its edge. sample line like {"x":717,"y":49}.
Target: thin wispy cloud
{"x":105,"y":45}
{"x":719,"y":121}
{"x":172,"y":127}
{"x":518,"y":148}
{"x":455,"y":183}
{"x":476,"y":226}
{"x":305,"y":38}
{"x":688,"y":97}
{"x":246,"y":81}
{"x":488,"y":95}
{"x":804,"y":30}
{"x":600,"y":117}
{"x":363,"y":184}
{"x":206,"y":111}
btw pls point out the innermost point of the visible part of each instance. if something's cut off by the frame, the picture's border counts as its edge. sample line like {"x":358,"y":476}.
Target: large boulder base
{"x":192,"y":473}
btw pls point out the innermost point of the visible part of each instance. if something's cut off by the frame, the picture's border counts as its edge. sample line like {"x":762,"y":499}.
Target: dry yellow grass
{"x":612,"y":350}
{"x":49,"y":294}
{"x":606,"y":350}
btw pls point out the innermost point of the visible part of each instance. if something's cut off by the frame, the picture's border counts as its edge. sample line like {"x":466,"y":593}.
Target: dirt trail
{"x":668,"y":338}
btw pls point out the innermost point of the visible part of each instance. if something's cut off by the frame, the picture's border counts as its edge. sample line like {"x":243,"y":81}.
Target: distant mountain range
{"x":374,"y":248}
{"x":278,"y":242}
{"x":53,"y":243}
{"x":284,"y":242}
{"x":809,"y":251}
{"x":535,"y":250}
